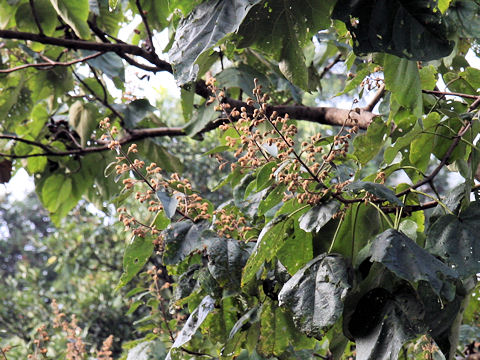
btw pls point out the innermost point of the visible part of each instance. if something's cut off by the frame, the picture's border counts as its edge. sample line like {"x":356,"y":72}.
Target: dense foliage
{"x":336,"y":240}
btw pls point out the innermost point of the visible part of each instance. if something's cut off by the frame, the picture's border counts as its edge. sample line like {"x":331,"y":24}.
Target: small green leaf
{"x":83,"y":118}
{"x":378,"y":190}
{"x":137,"y":253}
{"x":75,"y":14}
{"x":112,"y":4}
{"x":169,"y":203}
{"x":263,"y":177}
{"x":218,"y":149}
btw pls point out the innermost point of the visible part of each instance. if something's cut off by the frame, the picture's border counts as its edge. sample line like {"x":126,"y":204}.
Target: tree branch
{"x":51,"y":63}
{"x":123,"y":49}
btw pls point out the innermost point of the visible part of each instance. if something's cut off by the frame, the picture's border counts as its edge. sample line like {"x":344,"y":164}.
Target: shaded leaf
{"x":315,"y":294}
{"x":137,"y":253}
{"x":226,"y":259}
{"x":455,"y":240}
{"x":383,"y":322}
{"x":110,"y":64}
{"x":378,"y":190}
{"x":82,"y":117}
{"x":407,"y":260}
{"x":184,"y":237}
{"x":134,"y":112}
{"x":5,"y":171}
{"x":411,"y":29}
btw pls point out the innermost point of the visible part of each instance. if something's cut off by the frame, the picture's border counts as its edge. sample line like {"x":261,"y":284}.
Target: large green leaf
{"x":421,"y":147}
{"x":75,"y":14}
{"x":407,"y":260}
{"x":155,"y":151}
{"x":277,"y":331}
{"x":316,"y":292}
{"x":455,"y":240}
{"x":297,"y":250}
{"x":137,"y":253}
{"x":206,"y":25}
{"x":55,"y":190}
{"x":226,"y":259}
{"x":410,"y":29}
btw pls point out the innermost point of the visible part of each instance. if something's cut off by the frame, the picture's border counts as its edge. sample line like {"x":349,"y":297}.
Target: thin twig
{"x":447,"y":93}
{"x":147,"y":27}
{"x":50,"y":64}
{"x":35,"y":16}
{"x":100,"y":100}
{"x":327,"y":68}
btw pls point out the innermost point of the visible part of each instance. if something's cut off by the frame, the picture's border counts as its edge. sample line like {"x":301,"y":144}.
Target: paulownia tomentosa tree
{"x":318,"y":253}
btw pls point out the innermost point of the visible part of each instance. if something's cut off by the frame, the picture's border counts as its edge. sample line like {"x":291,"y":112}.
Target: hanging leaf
{"x":316,"y":292}
{"x":196,"y":318}
{"x":137,"y":253}
{"x":83,"y":118}
{"x":407,"y":260}
{"x":368,"y":145}
{"x":226,"y":259}
{"x":206,"y":25}
{"x":5,"y":171}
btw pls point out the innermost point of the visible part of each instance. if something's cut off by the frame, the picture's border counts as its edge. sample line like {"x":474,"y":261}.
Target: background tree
{"x":317,"y":253}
